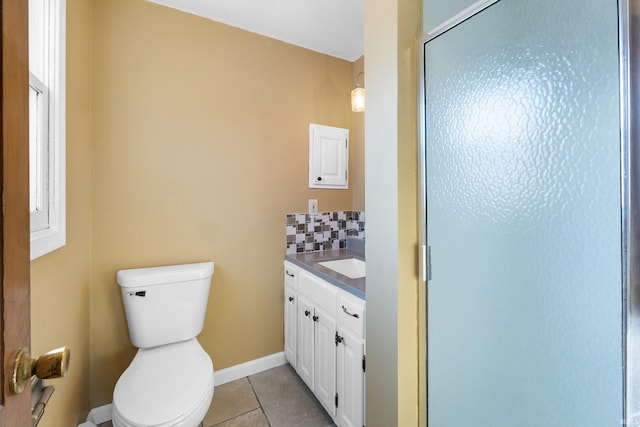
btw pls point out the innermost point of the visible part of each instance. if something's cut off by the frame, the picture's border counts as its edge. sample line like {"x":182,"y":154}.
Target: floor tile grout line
{"x":265,"y":417}
{"x":237,"y":416}
{"x":243,"y":413}
{"x":259,"y":401}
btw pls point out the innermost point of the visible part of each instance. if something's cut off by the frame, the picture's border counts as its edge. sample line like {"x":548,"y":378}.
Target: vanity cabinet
{"x":329,"y":343}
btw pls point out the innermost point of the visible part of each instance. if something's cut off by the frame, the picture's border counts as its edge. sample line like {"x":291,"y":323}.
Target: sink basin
{"x":353,"y":268}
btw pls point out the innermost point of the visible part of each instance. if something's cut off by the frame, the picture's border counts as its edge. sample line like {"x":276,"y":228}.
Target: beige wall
{"x":60,"y":280}
{"x":391,"y":29}
{"x":200,"y":147}
{"x":356,"y":139}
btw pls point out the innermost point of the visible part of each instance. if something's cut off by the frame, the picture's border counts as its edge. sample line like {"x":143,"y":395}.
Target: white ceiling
{"x":332,"y":27}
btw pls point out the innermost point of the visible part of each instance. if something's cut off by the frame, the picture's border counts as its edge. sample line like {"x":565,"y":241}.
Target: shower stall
{"x":530,"y":164}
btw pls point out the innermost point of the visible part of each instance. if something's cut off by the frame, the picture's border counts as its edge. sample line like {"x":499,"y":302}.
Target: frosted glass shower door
{"x":523,"y":217}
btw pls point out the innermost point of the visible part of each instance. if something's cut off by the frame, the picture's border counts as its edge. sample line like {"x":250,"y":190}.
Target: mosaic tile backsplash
{"x":327,"y":230}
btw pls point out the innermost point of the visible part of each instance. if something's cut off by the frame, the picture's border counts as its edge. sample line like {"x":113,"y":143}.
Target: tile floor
{"x":273,"y":398}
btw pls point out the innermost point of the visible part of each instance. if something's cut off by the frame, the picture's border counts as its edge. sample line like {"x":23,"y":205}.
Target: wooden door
{"x":14,"y":217}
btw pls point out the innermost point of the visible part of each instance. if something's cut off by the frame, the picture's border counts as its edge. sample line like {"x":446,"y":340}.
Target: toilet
{"x":169,"y":382}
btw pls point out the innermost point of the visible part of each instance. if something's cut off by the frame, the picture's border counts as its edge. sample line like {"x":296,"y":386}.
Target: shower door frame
{"x":629,"y":90}
{"x":629,"y":56}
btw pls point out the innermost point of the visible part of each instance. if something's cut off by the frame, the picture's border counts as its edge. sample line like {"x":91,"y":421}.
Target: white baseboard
{"x":102,"y":414}
{"x":251,"y":367}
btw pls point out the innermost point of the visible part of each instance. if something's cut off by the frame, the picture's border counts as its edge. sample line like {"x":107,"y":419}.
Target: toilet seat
{"x":165,"y":386}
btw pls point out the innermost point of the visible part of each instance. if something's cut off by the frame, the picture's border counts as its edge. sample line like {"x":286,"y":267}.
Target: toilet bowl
{"x":170,"y":381}
{"x":165,"y":386}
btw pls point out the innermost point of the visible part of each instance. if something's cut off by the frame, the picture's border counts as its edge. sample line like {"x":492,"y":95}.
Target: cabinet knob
{"x":290,"y":299}
{"x":307,"y":313}
{"x":319,"y":178}
{"x":315,"y":318}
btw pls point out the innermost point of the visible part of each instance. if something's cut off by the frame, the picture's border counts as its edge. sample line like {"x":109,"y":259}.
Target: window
{"x":47,"y":125}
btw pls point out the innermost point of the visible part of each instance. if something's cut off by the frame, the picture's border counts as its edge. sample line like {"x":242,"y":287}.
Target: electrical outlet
{"x":313,"y":207}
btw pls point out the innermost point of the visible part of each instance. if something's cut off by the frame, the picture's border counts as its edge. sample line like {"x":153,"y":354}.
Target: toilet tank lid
{"x":166,"y":274}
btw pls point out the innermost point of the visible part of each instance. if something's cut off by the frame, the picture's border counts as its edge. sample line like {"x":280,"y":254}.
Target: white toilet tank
{"x":166,"y":304}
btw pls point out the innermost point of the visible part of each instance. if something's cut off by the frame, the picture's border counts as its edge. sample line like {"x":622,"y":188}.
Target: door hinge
{"x":336,"y":400}
{"x":364,"y":363}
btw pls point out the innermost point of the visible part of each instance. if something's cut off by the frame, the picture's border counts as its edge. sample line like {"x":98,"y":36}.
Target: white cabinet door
{"x":290,"y":312}
{"x":328,"y":157}
{"x":350,"y":376}
{"x":305,"y":341}
{"x":325,"y":360}
{"x":290,"y":320}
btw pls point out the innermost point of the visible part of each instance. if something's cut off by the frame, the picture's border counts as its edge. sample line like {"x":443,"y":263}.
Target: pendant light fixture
{"x":357,"y":96}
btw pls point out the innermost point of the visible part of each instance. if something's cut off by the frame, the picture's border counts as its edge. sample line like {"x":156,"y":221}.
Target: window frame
{"x":52,"y":235}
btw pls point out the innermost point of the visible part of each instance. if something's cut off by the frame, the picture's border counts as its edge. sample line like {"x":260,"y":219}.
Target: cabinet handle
{"x":290,"y":299}
{"x":315,"y":318}
{"x":289,"y":274}
{"x":319,"y":178}
{"x":350,"y":314}
{"x":307,"y":313}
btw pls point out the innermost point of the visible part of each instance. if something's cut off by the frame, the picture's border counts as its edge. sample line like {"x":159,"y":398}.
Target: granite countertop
{"x":309,"y":261}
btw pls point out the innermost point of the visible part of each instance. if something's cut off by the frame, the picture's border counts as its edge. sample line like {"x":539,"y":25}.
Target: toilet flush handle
{"x":53,"y":364}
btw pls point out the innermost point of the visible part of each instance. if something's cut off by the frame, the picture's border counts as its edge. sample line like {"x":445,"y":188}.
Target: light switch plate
{"x":313,"y":207}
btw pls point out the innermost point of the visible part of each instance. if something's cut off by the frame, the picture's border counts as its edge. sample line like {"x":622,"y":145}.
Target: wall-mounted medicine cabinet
{"x":328,"y":157}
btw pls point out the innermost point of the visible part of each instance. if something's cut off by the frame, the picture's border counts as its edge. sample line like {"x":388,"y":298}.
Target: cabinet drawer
{"x":351,"y":314}
{"x":290,"y":276}
{"x":323,"y":295}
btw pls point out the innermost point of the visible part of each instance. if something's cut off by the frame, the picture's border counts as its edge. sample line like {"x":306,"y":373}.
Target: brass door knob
{"x":53,"y":364}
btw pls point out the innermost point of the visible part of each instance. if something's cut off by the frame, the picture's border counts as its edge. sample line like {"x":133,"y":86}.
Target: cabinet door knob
{"x":319,"y":178}
{"x":290,"y":299}
{"x":307,"y":313}
{"x":315,"y":318}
